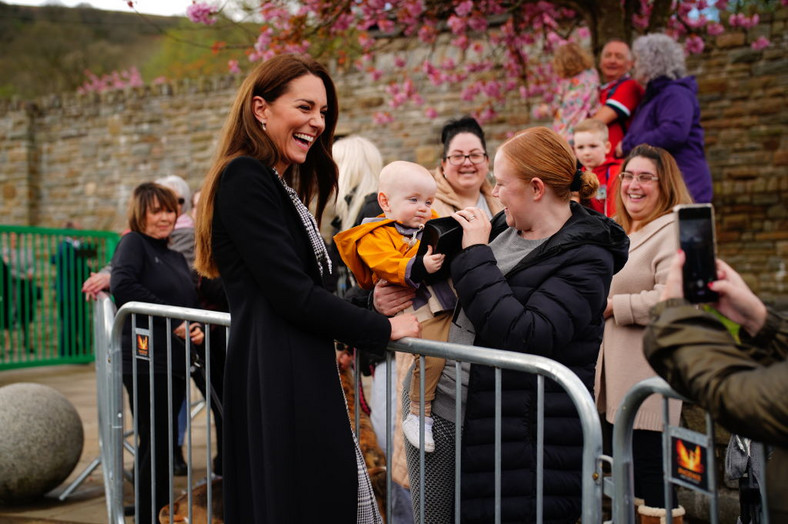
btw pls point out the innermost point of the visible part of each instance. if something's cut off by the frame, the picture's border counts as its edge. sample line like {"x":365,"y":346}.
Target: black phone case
{"x":444,"y":234}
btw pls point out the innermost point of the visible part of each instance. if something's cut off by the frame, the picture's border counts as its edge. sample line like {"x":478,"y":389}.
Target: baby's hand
{"x":433,"y":263}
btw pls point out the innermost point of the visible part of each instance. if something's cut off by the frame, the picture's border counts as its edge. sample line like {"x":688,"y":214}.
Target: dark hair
{"x":466,"y":124}
{"x":242,"y":135}
{"x":142,"y":201}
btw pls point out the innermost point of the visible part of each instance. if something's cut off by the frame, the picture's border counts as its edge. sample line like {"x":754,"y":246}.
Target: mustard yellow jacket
{"x":377,"y":250}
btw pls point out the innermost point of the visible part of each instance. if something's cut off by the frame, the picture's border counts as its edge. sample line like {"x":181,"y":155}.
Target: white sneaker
{"x":410,"y":426}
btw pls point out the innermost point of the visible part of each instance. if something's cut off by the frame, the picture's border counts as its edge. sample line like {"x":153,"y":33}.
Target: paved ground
{"x":86,"y":505}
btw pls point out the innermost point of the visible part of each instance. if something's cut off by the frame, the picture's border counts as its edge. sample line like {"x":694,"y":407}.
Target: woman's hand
{"x":608,"y":309}
{"x":404,"y":326}
{"x":432,"y":263}
{"x":737,"y":301}
{"x":195,"y":332}
{"x":96,"y":283}
{"x":390,"y":299}
{"x":475,"y":226}
{"x":674,"y":285}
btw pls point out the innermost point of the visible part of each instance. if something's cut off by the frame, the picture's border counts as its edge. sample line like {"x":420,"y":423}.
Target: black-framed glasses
{"x":642,"y":178}
{"x":458,"y":159}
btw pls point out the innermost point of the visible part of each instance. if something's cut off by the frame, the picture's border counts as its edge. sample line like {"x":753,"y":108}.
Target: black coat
{"x":289,"y":455}
{"x":144,"y":269}
{"x":550,"y":304}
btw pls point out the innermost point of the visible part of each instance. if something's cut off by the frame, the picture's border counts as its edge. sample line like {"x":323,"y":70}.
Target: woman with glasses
{"x":462,"y":182}
{"x":462,"y":173}
{"x":650,"y":184}
{"x":534,"y":280}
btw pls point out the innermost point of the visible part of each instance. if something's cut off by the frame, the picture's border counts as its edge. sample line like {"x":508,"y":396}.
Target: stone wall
{"x":79,"y":156}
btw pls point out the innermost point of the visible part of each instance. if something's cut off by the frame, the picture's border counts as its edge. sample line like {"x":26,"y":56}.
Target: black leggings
{"x":647,"y":462}
{"x":162,"y":446}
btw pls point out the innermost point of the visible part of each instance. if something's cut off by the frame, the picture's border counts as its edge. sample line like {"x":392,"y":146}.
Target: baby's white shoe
{"x":410,"y":426}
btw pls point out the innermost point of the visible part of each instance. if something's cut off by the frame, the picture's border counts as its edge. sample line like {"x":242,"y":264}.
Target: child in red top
{"x":592,"y":148}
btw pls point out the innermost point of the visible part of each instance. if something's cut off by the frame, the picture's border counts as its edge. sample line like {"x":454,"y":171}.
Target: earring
{"x":262,"y":124}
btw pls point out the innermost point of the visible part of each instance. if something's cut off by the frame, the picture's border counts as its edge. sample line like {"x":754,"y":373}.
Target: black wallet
{"x":444,"y":234}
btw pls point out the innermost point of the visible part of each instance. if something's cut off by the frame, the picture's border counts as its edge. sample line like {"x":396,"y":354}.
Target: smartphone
{"x":697,"y":239}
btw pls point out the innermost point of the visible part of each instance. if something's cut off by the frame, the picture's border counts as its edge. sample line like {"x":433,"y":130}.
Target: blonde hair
{"x":592,"y":125}
{"x":242,"y":135}
{"x":539,"y":152}
{"x":359,"y":162}
{"x":672,"y":189}
{"x":571,"y":59}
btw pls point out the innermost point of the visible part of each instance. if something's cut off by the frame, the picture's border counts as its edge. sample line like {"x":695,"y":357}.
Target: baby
{"x":384,"y":248}
{"x":592,"y":148}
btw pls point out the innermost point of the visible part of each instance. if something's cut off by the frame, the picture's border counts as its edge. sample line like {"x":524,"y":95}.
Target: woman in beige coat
{"x":650,"y":185}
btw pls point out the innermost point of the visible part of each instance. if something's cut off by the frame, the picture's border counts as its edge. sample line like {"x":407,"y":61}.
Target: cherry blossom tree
{"x":509,"y":38}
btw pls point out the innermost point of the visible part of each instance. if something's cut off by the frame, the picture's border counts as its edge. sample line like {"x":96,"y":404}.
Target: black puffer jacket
{"x":550,"y":304}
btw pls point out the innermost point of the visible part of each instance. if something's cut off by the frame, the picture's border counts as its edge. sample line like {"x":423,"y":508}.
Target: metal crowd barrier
{"x":112,"y":454}
{"x":699,"y":475}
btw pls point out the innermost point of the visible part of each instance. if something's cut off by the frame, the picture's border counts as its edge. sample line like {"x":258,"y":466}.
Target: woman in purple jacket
{"x":669,"y":115}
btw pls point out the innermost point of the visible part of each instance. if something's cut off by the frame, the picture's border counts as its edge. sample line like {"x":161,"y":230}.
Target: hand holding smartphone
{"x":696,"y":237}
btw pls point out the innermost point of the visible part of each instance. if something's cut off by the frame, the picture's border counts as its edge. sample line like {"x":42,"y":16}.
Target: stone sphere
{"x":41,"y":440}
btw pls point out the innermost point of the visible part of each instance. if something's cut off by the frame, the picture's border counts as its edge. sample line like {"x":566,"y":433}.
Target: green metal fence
{"x":44,"y":318}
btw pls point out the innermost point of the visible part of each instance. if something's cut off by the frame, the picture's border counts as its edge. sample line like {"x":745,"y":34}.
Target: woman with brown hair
{"x":289,"y":453}
{"x":532,"y":281}
{"x":144,"y":269}
{"x":650,"y":185}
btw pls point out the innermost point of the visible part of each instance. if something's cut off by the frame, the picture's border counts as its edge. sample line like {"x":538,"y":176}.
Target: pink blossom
{"x":232,"y":66}
{"x":694,"y":45}
{"x":456,"y":24}
{"x":201,"y":13}
{"x":487,"y":114}
{"x":382,"y":118}
{"x":386,"y":25}
{"x":464,"y":8}
{"x":761,"y":43}
{"x":640,"y":21}
{"x":399,"y":62}
{"x":721,"y":5}
{"x":715,"y":29}
{"x":430,"y":112}
{"x":478,"y":23}
{"x":366,"y":41}
{"x":427,"y":34}
{"x":461,"y":42}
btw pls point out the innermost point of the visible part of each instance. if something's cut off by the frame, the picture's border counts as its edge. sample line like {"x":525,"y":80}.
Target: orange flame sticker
{"x":142,"y":345}
{"x":689,"y":463}
{"x":689,"y":459}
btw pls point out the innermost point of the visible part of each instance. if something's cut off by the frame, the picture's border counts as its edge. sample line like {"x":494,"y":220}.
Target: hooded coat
{"x":550,"y":304}
{"x":669,"y":117}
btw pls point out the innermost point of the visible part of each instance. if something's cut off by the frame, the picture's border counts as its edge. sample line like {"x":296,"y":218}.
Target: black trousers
{"x":157,"y":445}
{"x":647,"y":464}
